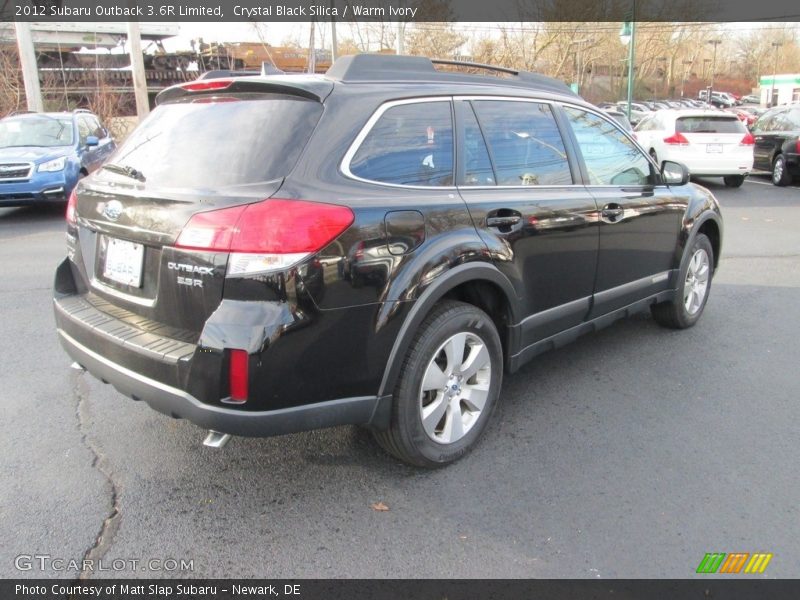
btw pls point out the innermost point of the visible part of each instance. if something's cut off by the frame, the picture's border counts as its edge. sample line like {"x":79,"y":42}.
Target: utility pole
{"x":334,"y":44}
{"x":715,"y":43}
{"x":662,"y":60}
{"x":775,"y":45}
{"x":137,"y":68}
{"x":30,"y":71}
{"x":312,"y":55}
{"x":687,"y":67}
{"x":400,"y":47}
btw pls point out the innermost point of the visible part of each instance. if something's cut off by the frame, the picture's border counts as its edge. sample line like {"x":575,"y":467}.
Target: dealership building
{"x":786,"y":89}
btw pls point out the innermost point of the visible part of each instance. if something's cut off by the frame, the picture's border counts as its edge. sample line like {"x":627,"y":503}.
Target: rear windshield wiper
{"x":124,"y":170}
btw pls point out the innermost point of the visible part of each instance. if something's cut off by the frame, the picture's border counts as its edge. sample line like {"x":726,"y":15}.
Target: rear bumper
{"x":715,"y":164}
{"x":178,"y":404}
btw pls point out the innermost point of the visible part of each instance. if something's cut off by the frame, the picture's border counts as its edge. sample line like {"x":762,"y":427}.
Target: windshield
{"x":35,"y":130}
{"x":226,"y":141}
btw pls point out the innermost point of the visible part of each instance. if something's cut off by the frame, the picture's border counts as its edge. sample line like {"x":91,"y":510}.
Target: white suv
{"x":709,"y":142}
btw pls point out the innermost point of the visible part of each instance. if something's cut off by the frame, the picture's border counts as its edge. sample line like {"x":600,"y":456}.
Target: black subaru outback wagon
{"x":375,"y":246}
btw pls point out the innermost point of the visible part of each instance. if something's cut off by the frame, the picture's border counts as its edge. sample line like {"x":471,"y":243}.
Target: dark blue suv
{"x":43,"y":155}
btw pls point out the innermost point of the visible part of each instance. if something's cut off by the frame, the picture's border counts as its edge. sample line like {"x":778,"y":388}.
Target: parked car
{"x":777,"y":143}
{"x":709,"y":143}
{"x":718,"y":99}
{"x":746,"y":117}
{"x":751,"y":99}
{"x":512,"y":217}
{"x":43,"y":155}
{"x":620,"y":117}
{"x":638,"y":111}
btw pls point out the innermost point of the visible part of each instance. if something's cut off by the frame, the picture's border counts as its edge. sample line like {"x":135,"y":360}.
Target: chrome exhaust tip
{"x":215,"y":439}
{"x":77,"y":366}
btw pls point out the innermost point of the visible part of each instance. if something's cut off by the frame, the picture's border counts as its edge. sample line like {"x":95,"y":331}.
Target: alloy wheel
{"x":696,"y":284}
{"x":455,"y":388}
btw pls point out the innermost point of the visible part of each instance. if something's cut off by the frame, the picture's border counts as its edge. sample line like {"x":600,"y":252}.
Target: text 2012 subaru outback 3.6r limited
{"x":375,"y":246}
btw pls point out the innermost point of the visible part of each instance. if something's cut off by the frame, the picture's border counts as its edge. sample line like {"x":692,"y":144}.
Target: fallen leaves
{"x":379,"y":507}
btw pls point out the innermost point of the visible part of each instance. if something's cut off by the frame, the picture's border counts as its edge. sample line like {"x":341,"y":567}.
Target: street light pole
{"x":775,"y":45}
{"x":715,"y":43}
{"x":631,"y":57}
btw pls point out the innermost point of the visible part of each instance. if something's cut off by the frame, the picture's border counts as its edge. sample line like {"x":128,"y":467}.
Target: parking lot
{"x":630,"y":453}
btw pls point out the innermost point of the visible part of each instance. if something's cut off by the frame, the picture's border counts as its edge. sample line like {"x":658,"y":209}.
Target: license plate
{"x":124,"y":262}
{"x":714,"y":148}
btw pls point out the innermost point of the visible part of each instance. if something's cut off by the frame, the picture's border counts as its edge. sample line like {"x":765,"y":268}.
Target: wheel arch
{"x":479,"y":284}
{"x":710,"y":225}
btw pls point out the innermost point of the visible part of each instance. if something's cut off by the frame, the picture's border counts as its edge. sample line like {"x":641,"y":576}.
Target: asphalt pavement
{"x":630,"y":453}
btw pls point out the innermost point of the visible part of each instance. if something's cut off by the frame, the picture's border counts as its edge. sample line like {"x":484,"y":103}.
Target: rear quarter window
{"x":409,"y":144}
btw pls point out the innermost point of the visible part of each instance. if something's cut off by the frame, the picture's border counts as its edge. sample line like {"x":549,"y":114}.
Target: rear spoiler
{"x":312,"y":87}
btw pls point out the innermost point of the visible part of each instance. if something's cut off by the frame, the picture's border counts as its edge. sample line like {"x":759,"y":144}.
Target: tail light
{"x":239,"y":376}
{"x":676,"y":140}
{"x":797,"y":146}
{"x":266,"y":236}
{"x":747,"y":140}
{"x":207,"y":86}
{"x":72,"y":218}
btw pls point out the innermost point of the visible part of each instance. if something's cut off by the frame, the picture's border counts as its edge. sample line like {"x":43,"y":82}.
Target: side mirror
{"x":674,"y":173}
{"x":92,"y":140}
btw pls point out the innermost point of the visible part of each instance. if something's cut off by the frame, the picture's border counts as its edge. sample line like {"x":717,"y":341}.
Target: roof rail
{"x":390,"y":67}
{"x":81,"y":110}
{"x":22,"y":112}
{"x":474,"y":65}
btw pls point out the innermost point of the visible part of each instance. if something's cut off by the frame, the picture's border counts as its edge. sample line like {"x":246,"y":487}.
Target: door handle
{"x":505,"y":221}
{"x":503,"y":217}
{"x":612,"y":212}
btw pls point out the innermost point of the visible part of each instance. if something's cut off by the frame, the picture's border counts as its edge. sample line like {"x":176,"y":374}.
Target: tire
{"x":445,"y":436}
{"x":780,"y":175}
{"x":680,"y":312}
{"x":733,"y":181}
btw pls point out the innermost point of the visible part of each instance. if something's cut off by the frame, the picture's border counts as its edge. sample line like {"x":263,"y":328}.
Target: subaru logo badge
{"x":113,"y":210}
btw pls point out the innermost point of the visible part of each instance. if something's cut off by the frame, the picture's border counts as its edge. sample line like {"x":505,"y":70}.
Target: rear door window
{"x":409,"y":144}
{"x":477,"y":164}
{"x":788,"y":120}
{"x":709,"y":124}
{"x":524,"y":143}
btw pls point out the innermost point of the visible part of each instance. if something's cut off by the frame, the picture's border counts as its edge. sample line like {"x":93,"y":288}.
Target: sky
{"x":275,"y":33}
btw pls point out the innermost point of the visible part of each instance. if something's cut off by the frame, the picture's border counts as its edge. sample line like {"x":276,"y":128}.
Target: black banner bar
{"x":399,"y":10}
{"x":735,"y":588}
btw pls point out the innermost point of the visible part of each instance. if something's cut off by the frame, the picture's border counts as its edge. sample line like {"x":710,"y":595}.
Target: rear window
{"x":227,"y":141}
{"x":709,"y":125}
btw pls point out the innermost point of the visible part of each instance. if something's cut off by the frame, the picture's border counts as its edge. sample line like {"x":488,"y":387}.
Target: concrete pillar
{"x":30,"y":71}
